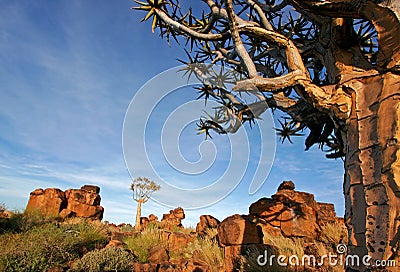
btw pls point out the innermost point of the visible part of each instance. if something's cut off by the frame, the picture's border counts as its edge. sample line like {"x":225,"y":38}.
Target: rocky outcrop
{"x":50,"y":201}
{"x":5,"y":213}
{"x":176,"y":240}
{"x":158,"y":254}
{"x":153,"y":218}
{"x":84,"y":202}
{"x":291,"y":213}
{"x":144,"y":221}
{"x":173,"y":219}
{"x":206,"y":222}
{"x":287,"y":213}
{"x":239,"y":230}
{"x":326,"y":213}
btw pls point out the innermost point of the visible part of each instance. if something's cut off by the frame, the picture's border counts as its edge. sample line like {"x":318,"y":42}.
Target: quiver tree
{"x":142,"y":188}
{"x":331,"y":66}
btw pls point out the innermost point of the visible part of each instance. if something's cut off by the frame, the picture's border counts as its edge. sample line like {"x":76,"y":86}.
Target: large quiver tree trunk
{"x":372,"y":178}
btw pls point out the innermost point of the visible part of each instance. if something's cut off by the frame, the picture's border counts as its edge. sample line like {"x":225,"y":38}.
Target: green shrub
{"x":90,"y":235}
{"x":205,"y":249}
{"x":47,"y":245}
{"x":106,"y":259}
{"x":20,"y":222}
{"x":141,"y":244}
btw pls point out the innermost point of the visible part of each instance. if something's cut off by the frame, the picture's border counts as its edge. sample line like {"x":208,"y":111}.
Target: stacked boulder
{"x":287,"y":213}
{"x":173,"y":219}
{"x":206,"y":222}
{"x":84,"y":202}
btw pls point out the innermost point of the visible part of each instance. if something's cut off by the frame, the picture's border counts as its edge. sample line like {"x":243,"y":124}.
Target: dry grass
{"x":205,"y":249}
{"x":333,"y":234}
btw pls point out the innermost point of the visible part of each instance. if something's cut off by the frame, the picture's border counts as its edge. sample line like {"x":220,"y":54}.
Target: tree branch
{"x":239,"y":47}
{"x":187,"y":30}
{"x":384,"y":19}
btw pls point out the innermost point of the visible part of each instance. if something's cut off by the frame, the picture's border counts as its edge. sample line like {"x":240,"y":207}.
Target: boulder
{"x":326,"y":213}
{"x":84,"y":202}
{"x":115,"y":243}
{"x":286,"y":185}
{"x":239,"y":230}
{"x":91,"y":188}
{"x":48,"y":202}
{"x":144,"y":221}
{"x":66,"y":213}
{"x":173,"y":219}
{"x":122,"y":235}
{"x":158,"y":254}
{"x":153,"y":218}
{"x":290,"y":213}
{"x":206,"y":222}
{"x":177,"y":240}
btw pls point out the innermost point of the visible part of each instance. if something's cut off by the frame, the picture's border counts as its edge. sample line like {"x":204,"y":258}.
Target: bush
{"x":47,"y":245}
{"x":205,"y":249}
{"x":333,"y":234}
{"x":20,"y":222}
{"x":248,"y":262}
{"x":141,"y":244}
{"x":106,"y":259}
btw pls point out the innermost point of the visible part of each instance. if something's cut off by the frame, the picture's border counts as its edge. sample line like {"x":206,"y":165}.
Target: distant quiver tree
{"x":142,"y":188}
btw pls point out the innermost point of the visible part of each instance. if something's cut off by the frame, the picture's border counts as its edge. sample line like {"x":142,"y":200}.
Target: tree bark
{"x":372,"y":163}
{"x":138,"y":214}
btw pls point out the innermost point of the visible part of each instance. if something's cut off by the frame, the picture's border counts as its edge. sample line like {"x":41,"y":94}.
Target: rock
{"x":232,"y":255}
{"x":176,"y":240}
{"x":6,"y":213}
{"x":84,"y":203}
{"x":286,"y":185}
{"x":66,"y":213}
{"x":91,"y":188}
{"x":48,"y":202}
{"x":167,"y":267}
{"x":239,"y":230}
{"x":115,"y":243}
{"x":73,"y":202}
{"x":153,"y":218}
{"x":82,"y":196}
{"x":197,"y":265}
{"x":144,"y":267}
{"x":144,"y":221}
{"x":326,"y":213}
{"x":158,"y":254}
{"x":173,"y":219}
{"x":206,"y":222}
{"x":121,"y":236}
{"x":291,"y":213}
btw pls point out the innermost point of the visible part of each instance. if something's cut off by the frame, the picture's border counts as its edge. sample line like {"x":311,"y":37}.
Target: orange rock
{"x":49,"y":202}
{"x":177,"y":240}
{"x":206,"y":222}
{"x":115,"y":243}
{"x":72,"y":202}
{"x":239,"y":230}
{"x":173,"y":219}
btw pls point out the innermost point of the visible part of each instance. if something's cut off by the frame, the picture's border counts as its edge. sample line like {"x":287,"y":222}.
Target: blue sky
{"x":68,"y":73}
